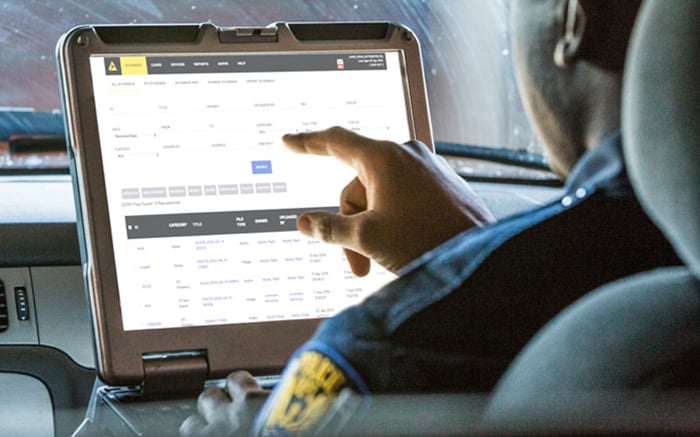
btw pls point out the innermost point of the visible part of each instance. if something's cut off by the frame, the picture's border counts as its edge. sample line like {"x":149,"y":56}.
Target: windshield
{"x":469,"y":76}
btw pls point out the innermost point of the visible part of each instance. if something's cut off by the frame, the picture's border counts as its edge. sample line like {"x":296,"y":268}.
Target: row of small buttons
{"x":4,"y":320}
{"x":22,"y":301}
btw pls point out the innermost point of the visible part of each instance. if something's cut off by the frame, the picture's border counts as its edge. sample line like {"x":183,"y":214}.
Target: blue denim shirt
{"x":457,"y":315}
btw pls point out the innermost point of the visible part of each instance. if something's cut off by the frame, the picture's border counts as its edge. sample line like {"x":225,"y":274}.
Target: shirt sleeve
{"x":313,"y":392}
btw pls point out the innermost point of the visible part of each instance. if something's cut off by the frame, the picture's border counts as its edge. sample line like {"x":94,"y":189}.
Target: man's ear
{"x":574,"y":26}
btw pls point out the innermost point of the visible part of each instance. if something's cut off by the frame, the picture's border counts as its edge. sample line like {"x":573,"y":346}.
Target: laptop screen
{"x":202,"y":194}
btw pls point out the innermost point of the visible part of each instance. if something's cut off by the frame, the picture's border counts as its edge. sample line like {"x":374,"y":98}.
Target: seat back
{"x":661,"y":120}
{"x":611,"y":360}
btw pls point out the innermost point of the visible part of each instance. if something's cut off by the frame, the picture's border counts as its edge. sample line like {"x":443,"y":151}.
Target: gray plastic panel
{"x":62,"y":311}
{"x":18,"y":200}
{"x":25,"y":407}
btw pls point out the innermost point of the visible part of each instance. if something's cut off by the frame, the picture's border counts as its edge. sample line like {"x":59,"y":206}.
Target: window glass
{"x":466,"y":54}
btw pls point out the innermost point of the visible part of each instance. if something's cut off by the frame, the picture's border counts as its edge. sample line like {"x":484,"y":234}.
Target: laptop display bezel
{"x":262,"y":348}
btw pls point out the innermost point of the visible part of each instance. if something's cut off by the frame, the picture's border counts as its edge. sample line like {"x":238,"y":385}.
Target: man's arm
{"x":404,"y":201}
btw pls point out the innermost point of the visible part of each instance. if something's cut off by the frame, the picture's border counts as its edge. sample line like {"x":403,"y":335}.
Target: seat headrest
{"x":661,"y":120}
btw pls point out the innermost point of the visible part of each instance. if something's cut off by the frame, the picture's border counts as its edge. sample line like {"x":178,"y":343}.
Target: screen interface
{"x":203,"y":196}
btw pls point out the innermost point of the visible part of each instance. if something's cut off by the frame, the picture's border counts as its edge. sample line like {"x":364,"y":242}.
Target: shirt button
{"x":581,"y":193}
{"x":566,"y":201}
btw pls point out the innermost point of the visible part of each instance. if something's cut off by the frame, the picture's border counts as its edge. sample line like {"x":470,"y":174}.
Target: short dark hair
{"x":608,"y":30}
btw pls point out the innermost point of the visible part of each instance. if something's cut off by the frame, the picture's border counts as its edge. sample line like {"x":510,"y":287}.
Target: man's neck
{"x":605,"y":101}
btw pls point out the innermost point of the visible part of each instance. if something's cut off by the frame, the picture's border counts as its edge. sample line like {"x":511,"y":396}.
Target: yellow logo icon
{"x":112,"y":67}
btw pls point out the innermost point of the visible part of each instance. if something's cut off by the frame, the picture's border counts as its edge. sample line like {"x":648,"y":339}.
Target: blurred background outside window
{"x":465,"y":44}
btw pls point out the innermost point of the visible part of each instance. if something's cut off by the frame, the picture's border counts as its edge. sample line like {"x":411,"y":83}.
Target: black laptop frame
{"x":262,"y":348}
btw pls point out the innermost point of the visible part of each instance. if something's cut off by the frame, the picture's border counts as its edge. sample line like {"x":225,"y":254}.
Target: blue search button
{"x":262,"y":167}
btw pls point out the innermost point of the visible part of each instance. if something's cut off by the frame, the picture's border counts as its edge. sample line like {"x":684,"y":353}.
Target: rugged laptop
{"x":188,"y":199}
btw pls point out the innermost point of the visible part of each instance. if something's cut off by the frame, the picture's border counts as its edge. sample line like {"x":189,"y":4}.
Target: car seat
{"x":626,"y":357}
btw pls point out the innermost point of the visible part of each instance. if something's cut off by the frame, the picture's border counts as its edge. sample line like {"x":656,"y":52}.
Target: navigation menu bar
{"x":253,"y":63}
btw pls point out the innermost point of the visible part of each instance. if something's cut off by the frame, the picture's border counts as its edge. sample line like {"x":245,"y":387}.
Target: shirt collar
{"x":599,"y":166}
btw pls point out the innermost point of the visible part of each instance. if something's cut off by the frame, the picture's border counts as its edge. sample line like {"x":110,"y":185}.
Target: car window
{"x":469,"y":76}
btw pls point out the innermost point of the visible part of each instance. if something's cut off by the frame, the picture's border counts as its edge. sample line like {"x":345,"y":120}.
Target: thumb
{"x":359,"y":264}
{"x":336,"y":229}
{"x":327,"y":227}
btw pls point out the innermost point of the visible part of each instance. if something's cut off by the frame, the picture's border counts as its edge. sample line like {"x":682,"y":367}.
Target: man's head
{"x":569,"y":57}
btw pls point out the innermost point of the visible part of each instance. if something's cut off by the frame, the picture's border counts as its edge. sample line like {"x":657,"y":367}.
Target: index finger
{"x":338,"y":142}
{"x":242,"y":387}
{"x":240,"y":382}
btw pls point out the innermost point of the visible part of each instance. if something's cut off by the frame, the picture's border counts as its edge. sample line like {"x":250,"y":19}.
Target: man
{"x":470,"y":292}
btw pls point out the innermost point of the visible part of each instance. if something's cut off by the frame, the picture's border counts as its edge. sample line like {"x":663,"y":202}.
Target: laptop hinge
{"x":176,"y":374}
{"x":248,"y":34}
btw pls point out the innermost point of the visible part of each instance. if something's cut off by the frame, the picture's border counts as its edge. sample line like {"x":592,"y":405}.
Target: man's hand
{"x":230,"y":411}
{"x":404,"y":201}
